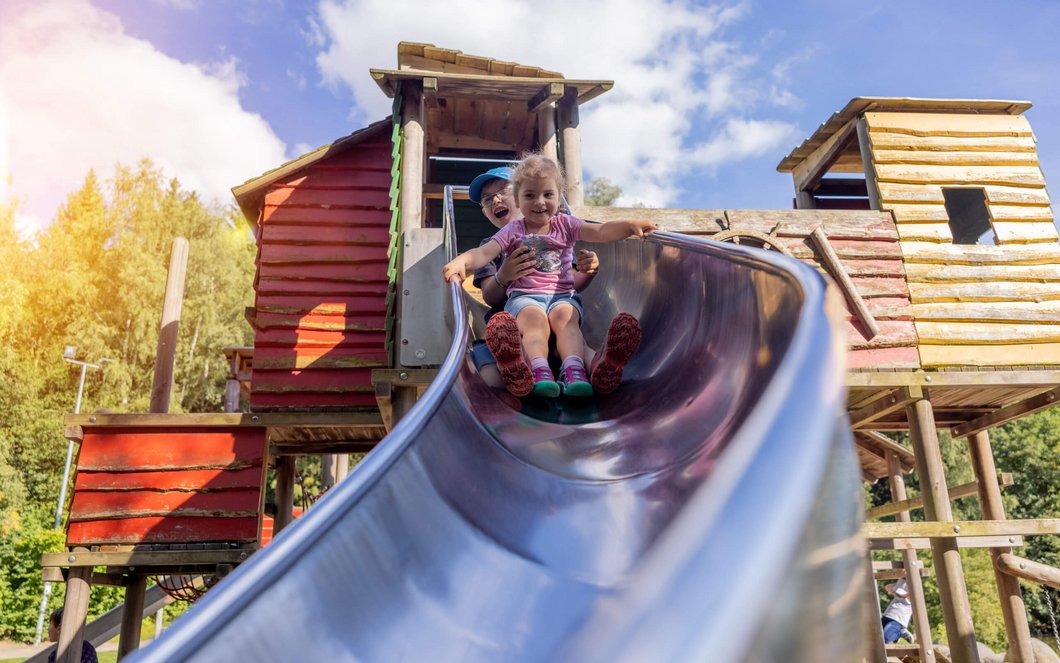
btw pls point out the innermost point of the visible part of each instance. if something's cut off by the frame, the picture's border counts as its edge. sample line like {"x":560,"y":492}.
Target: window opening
{"x":969,"y":218}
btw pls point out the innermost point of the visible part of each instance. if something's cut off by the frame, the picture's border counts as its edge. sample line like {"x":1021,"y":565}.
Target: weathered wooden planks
{"x":167,"y":485}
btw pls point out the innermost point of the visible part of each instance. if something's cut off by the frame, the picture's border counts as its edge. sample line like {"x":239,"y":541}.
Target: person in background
{"x":897,"y":614}
{"x":55,"y":622}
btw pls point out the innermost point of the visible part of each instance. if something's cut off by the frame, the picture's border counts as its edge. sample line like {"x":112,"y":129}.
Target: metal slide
{"x":707,"y":510}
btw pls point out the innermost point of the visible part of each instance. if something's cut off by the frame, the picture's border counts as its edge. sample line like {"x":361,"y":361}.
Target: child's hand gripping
{"x":641,"y":227}
{"x":455,"y":267}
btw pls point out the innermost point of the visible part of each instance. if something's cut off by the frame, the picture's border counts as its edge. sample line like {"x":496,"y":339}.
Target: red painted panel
{"x":341,"y":379}
{"x":892,"y":332}
{"x":340,"y":177}
{"x":161,"y":530}
{"x":329,"y":253}
{"x":341,"y":198}
{"x":293,"y":233}
{"x":320,"y":216}
{"x":329,"y":305}
{"x":263,"y":356}
{"x":250,"y":477}
{"x":102,"y":505}
{"x":311,"y":337}
{"x":886,"y":248}
{"x":266,"y":320}
{"x":309,"y":400}
{"x":170,"y":448}
{"x":368,"y":271}
{"x":365,"y":155}
{"x":321,"y":287}
{"x":267,"y":525}
{"x":883,"y":358}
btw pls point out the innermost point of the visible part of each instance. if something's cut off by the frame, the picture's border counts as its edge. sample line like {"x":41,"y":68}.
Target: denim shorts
{"x":481,"y":355}
{"x":520,"y":300}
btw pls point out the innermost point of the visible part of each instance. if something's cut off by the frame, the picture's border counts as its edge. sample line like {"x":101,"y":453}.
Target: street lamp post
{"x":70,"y":357}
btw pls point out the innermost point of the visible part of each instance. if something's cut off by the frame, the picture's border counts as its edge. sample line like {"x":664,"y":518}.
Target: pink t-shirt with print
{"x":554,"y":251}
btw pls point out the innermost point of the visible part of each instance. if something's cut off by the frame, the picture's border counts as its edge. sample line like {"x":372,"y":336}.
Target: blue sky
{"x":708,"y":96}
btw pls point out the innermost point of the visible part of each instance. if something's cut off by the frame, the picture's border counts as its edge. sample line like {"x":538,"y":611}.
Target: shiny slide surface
{"x":707,"y":510}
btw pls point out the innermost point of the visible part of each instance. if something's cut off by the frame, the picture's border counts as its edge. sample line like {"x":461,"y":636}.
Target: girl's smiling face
{"x":538,"y":200}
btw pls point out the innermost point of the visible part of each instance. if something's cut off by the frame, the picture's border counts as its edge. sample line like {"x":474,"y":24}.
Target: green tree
{"x":95,"y":278}
{"x":601,"y":192}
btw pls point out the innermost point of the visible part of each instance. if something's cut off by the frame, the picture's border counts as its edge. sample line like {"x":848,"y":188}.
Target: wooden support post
{"x":232,"y":395}
{"x":1008,"y":588}
{"x":911,"y":563}
{"x":412,"y":156}
{"x":75,"y":609}
{"x":953,"y":594}
{"x":875,"y":652}
{"x":284,"y":493}
{"x":334,"y":468}
{"x":868,"y":163}
{"x":804,"y":200}
{"x":546,"y":131}
{"x":132,"y":615}
{"x":166,"y":354}
{"x":571,"y":145}
{"x":403,"y":400}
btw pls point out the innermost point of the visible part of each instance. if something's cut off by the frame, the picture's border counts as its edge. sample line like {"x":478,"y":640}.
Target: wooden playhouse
{"x":895,"y":201}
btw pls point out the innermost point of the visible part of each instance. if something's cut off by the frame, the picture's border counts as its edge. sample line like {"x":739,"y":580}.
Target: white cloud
{"x":77,"y":93}
{"x":682,"y":87}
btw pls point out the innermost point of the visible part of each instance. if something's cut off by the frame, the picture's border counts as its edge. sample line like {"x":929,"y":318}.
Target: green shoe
{"x":544,"y":385}
{"x":574,"y":382}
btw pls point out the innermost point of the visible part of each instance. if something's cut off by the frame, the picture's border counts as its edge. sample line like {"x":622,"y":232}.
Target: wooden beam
{"x":868,"y":163}
{"x":836,"y":270}
{"x":1007,"y":414}
{"x":550,"y":93}
{"x":284,"y":493}
{"x":810,"y":171}
{"x":897,"y":400}
{"x":909,"y":559}
{"x":1043,"y":574}
{"x":412,"y":155}
{"x":571,"y":146}
{"x":1014,"y":378}
{"x":960,"y":528}
{"x":144,"y":558}
{"x":166,"y":352}
{"x":255,"y":420}
{"x":132,"y":615}
{"x":75,"y":609}
{"x":956,"y":492}
{"x":1013,"y":611}
{"x":953,"y":594}
{"x":921,"y":543}
{"x":430,"y":92}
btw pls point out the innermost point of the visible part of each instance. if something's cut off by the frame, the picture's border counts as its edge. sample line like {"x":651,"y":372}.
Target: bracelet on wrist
{"x":498,"y":280}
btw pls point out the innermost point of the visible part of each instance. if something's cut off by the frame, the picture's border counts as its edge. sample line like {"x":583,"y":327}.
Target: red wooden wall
{"x":322,"y":281}
{"x":167,"y":485}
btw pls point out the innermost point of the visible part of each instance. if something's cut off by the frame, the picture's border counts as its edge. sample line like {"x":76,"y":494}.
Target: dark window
{"x":969,"y":217}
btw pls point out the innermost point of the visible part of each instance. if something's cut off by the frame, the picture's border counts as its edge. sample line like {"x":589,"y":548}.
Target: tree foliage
{"x":601,"y":192}
{"x":95,"y":279}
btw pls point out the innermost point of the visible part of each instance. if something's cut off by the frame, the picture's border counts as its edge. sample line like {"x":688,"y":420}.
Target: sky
{"x":708,"y":96}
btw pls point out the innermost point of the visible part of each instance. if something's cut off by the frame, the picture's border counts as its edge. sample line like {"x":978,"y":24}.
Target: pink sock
{"x":540,"y":362}
{"x":573,"y":360}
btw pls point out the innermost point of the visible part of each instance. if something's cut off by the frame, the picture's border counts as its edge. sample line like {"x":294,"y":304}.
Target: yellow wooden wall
{"x":972,"y":305}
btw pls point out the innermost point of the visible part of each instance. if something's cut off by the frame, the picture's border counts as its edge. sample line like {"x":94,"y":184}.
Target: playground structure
{"x":942,"y":333}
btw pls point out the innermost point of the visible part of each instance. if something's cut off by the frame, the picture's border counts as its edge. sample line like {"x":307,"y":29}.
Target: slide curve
{"x":707,"y":510}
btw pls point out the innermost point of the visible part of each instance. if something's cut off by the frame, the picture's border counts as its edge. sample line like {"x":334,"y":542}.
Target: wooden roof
{"x":250,"y":194}
{"x":859,"y":105}
{"x":461,"y":75}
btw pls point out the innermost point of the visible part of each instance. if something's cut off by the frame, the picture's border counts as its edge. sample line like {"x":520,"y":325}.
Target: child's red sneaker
{"x":623,"y":339}
{"x":504,"y":341}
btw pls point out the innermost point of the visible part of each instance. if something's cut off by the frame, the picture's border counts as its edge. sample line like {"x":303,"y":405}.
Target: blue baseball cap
{"x":475,"y":190}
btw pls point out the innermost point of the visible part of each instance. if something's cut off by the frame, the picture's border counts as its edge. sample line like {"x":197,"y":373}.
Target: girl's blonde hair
{"x":534,"y":165}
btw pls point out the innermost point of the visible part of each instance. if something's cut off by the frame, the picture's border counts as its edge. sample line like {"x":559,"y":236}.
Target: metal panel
{"x":423,"y":302}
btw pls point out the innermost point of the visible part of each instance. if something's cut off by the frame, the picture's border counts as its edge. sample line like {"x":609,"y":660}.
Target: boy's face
{"x":497,"y":202}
